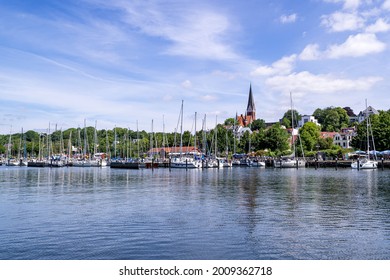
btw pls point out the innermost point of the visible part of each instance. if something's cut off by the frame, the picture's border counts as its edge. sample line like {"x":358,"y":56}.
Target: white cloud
{"x":288,"y":18}
{"x":309,"y":83}
{"x":356,"y":46}
{"x":348,"y":4}
{"x":186,"y":84}
{"x":191,"y":32}
{"x":379,"y":26}
{"x":386,"y":5}
{"x":208,"y":97}
{"x":310,"y":52}
{"x":340,"y":21}
{"x":281,"y":67}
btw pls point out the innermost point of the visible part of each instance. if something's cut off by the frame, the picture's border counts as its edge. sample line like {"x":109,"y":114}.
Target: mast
{"x":107,"y":146}
{"x":204,"y":136}
{"x":181,"y":129}
{"x":216,"y":130}
{"x":70,"y":145}
{"x":95,"y":140}
{"x":114,"y":141}
{"x":292,"y":125}
{"x":137,"y":142}
{"x":234,"y":135}
{"x":151,"y":141}
{"x":9,"y":145}
{"x":368,"y":137}
{"x":85,"y":140}
{"x":195,"y":134}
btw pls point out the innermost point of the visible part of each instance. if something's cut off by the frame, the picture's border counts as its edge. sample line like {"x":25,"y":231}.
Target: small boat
{"x":125,"y":164}
{"x":185,"y":162}
{"x":289,"y":162}
{"x":366,"y":162}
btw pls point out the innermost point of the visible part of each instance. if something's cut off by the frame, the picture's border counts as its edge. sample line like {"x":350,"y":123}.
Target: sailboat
{"x":366,"y":162}
{"x":291,"y":161}
{"x":183,"y":161}
{"x":10,"y":160}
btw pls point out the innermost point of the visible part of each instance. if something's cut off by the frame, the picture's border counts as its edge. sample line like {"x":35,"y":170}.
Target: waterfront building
{"x":367,"y":112}
{"x":307,"y":118}
{"x":342,"y":138}
{"x":164,"y":152}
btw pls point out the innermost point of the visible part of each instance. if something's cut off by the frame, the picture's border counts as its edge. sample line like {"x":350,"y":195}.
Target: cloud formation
{"x":288,"y":18}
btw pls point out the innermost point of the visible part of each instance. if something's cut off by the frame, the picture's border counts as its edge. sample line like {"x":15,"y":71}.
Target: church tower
{"x":250,"y":113}
{"x":251,"y":109}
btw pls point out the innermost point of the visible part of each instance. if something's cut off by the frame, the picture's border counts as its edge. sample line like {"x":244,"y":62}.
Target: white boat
{"x":12,"y":162}
{"x":366,"y":162}
{"x":81,"y":163}
{"x":256,"y":163}
{"x":290,"y":162}
{"x":185,"y":162}
{"x":223,"y":162}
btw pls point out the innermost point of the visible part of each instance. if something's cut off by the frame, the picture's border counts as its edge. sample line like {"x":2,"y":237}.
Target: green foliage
{"x":310,"y":134}
{"x":229,"y":121}
{"x":287,"y":118}
{"x":332,"y":118}
{"x":258,"y":124}
{"x":276,"y":138}
{"x":325,"y":143}
{"x":380,"y":125}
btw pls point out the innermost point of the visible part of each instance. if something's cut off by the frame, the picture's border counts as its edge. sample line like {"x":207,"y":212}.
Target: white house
{"x":343,"y":140}
{"x":369,"y":111}
{"x":306,"y":119}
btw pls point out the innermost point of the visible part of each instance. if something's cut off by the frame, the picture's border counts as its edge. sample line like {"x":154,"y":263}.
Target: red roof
{"x":174,"y":150}
{"x":326,"y":134}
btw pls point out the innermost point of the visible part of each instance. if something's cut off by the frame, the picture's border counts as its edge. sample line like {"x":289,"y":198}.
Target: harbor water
{"x":234,"y":213}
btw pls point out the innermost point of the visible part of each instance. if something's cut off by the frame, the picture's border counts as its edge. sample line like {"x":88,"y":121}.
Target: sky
{"x":123,"y":62}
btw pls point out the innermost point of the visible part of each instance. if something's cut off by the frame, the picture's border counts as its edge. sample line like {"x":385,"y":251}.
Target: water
{"x":239,"y":213}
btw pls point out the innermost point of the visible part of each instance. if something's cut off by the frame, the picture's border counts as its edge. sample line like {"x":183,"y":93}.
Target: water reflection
{"x":246,"y":213}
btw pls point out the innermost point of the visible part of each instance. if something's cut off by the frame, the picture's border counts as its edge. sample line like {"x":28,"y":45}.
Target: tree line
{"x":273,"y":140}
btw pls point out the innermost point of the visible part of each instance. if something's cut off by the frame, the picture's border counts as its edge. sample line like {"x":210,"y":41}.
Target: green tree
{"x":229,"y":121}
{"x":309,"y":133}
{"x":325,"y":143}
{"x":332,"y":118}
{"x":287,"y":118}
{"x":276,"y":138}
{"x":258,"y":124}
{"x":380,"y":126}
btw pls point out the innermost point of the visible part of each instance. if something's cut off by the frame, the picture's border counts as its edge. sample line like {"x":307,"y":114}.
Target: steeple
{"x":251,"y":109}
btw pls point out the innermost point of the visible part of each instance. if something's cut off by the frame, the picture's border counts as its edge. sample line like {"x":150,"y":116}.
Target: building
{"x":367,"y":112}
{"x":250,"y":113}
{"x":342,"y":138}
{"x":163,"y":152}
{"x":305,"y":119}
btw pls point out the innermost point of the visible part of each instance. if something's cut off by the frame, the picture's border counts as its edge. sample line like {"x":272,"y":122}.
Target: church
{"x":250,"y":113}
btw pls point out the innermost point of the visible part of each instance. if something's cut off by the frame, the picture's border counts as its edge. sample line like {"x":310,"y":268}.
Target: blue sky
{"x":120,"y":61}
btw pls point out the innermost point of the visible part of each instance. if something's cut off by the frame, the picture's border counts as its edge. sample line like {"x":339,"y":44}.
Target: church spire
{"x":251,"y":109}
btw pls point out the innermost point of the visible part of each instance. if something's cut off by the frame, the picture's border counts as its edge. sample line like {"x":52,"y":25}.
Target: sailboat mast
{"x":216,"y":146}
{"x":292,"y":125}
{"x":85,"y":139}
{"x":95,"y":141}
{"x":181,"y":129}
{"x":367,"y":132}
{"x":137,"y":142}
{"x":195,"y":133}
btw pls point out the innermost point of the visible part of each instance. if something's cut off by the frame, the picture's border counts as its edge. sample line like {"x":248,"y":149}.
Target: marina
{"x":228,"y":213}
